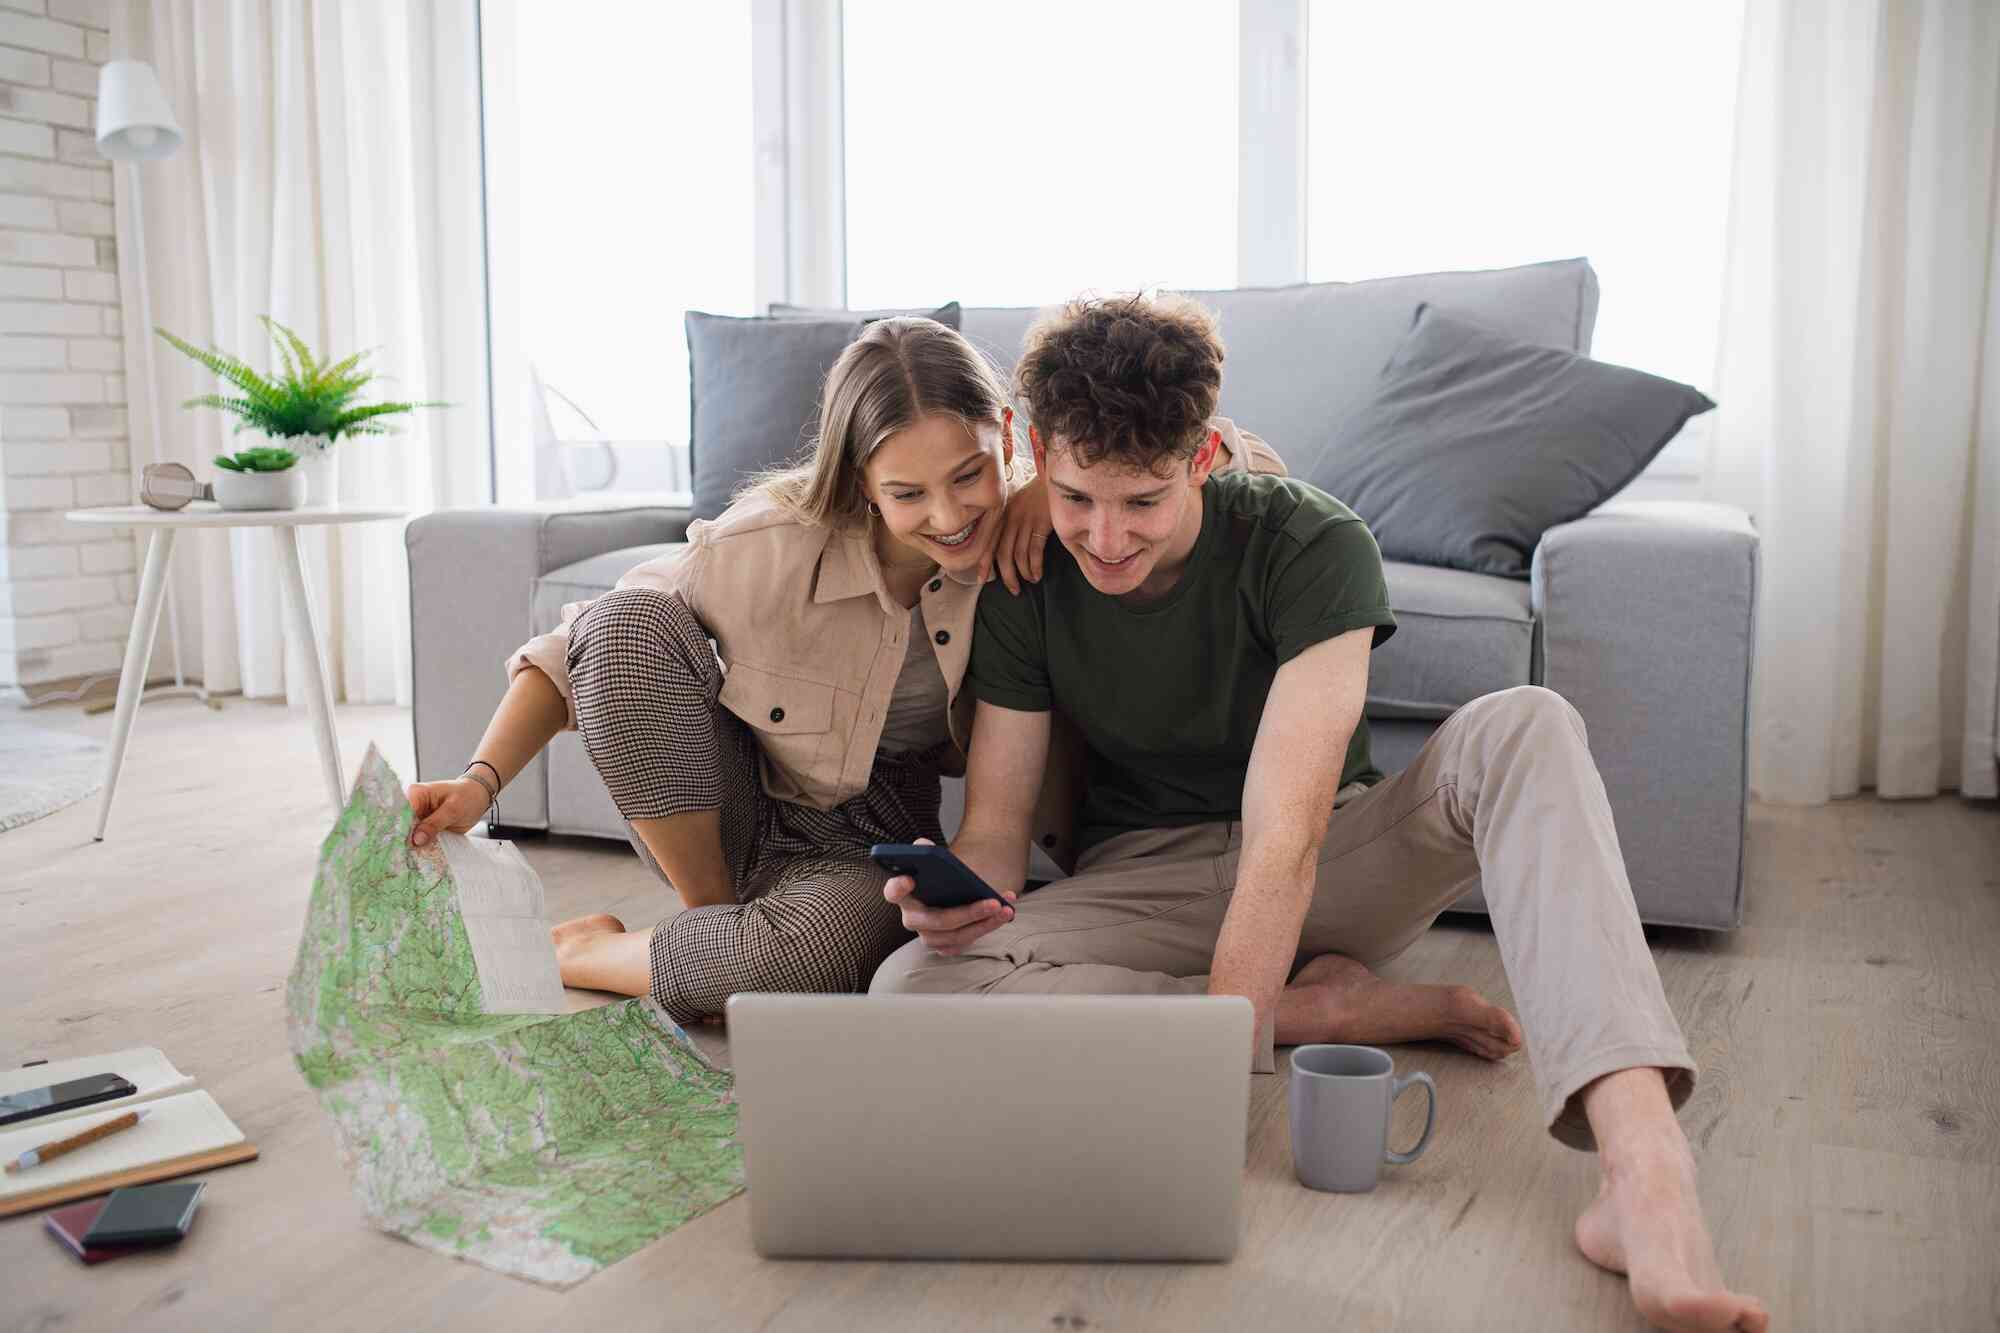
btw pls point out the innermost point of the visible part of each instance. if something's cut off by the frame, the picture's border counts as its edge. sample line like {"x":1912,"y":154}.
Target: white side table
{"x":284,"y":525}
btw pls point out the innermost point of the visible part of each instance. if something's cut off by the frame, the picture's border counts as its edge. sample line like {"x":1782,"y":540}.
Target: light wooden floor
{"x":1847,"y":1123}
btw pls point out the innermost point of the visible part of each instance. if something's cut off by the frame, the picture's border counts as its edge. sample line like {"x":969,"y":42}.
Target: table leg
{"x":138,"y":658}
{"x":325,"y":665}
{"x":306,"y":636}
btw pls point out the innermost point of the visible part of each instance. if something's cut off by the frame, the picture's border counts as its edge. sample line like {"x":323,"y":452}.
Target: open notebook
{"x":186,"y":1131}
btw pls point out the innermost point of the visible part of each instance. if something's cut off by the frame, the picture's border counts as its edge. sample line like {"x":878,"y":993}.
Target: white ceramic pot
{"x":260,"y":490}
{"x":320,"y":462}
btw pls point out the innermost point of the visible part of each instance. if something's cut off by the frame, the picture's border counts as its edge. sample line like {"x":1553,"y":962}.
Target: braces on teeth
{"x":958,"y":538}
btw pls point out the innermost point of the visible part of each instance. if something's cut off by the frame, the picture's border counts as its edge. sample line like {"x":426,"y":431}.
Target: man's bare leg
{"x":1646,"y":1221}
{"x":1337,"y":999}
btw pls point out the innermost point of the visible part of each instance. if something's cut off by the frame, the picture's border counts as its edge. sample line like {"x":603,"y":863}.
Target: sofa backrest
{"x":1301,"y":358}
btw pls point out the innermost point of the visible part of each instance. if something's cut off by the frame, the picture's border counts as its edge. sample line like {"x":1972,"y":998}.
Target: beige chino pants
{"x":1504,"y":795}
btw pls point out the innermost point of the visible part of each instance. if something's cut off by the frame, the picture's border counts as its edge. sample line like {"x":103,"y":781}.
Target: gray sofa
{"x":1640,"y":614}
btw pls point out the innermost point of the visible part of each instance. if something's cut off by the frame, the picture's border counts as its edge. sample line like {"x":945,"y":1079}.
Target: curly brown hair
{"x":1130,"y":378}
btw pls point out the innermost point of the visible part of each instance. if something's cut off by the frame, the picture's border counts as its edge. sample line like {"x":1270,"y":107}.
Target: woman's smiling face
{"x":941,"y":489}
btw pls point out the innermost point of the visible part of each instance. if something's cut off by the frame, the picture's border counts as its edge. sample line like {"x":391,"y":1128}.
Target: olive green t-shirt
{"x":1168,"y":693}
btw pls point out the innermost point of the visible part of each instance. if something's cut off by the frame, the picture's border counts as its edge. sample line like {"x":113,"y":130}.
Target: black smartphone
{"x":62,"y":1097}
{"x":942,"y":879}
{"x":145,"y":1215}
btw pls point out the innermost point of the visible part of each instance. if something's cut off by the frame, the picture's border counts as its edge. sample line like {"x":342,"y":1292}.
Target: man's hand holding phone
{"x":946,"y":929}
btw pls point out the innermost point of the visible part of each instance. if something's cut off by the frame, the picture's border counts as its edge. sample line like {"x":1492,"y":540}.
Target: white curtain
{"x":1859,"y":384}
{"x":330,"y":179}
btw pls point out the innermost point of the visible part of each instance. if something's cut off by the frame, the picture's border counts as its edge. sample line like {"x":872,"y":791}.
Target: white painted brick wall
{"x":34,"y":34}
{"x":34,"y":423}
{"x":98,"y":288}
{"x":103,"y":488}
{"x":28,"y":247}
{"x":67,"y":458}
{"x":25,"y":210}
{"x":32,"y":388}
{"x":46,"y":562}
{"x":33,"y":353}
{"x":78,"y":661}
{"x":20,"y":136}
{"x":17,"y":66}
{"x":98,"y":423}
{"x":20,"y":636}
{"x":80,"y":219}
{"x":106,"y":354}
{"x":74,"y":76}
{"x":112,"y":557}
{"x":44,"y":284}
{"x":41,"y":597}
{"x":36,"y":527}
{"x":66,"y":590}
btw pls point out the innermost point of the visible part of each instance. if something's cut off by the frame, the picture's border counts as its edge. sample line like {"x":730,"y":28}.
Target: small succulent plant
{"x":264,"y":458}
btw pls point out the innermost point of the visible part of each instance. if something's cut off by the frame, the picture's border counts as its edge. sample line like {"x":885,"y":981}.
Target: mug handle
{"x":1396,"y":1089}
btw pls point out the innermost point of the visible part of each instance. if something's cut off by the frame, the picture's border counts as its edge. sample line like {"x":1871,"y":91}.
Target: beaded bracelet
{"x":492,"y":791}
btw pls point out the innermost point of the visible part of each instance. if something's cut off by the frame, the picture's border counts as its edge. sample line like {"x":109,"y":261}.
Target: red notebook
{"x":68,"y":1225}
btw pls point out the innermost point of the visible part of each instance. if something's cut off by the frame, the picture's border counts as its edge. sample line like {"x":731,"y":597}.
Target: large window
{"x":648,"y":159}
{"x":1014,"y":154}
{"x":619,"y":155}
{"x":1451,"y":134}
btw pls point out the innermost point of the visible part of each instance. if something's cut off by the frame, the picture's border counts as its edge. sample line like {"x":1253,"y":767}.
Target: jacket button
{"x":1049,"y":840}
{"x":943,"y":637}
{"x":936,"y":584}
{"x":777,"y":715}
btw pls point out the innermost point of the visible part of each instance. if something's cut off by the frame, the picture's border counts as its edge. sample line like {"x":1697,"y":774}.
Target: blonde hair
{"x":897,"y":372}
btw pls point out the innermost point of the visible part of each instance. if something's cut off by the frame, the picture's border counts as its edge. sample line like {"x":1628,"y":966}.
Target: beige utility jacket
{"x":811,"y":643}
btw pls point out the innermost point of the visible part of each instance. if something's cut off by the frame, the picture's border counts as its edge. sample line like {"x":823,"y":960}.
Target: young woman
{"x":755,"y":771}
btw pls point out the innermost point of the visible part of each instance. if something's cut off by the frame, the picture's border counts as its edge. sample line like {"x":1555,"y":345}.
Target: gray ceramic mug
{"x":1340,"y":1102}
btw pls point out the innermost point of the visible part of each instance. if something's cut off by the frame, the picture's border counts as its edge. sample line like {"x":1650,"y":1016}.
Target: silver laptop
{"x":992,"y":1127}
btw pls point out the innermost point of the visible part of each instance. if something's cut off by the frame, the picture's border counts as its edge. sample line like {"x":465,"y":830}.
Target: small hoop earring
{"x":875,"y":509}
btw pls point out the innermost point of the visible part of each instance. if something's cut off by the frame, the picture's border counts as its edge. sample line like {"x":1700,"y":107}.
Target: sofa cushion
{"x":754,"y":386}
{"x":1460,"y":636}
{"x":947,"y":313}
{"x":998,"y":331}
{"x":1476,"y":443}
{"x":587,"y":578}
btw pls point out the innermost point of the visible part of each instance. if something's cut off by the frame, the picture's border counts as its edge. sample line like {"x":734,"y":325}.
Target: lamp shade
{"x":134,"y":122}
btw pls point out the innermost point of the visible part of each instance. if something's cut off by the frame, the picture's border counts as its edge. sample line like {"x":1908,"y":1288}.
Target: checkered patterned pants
{"x":809,"y":913}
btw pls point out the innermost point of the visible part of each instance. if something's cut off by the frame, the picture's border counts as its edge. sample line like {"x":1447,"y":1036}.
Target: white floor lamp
{"x":134,"y":125}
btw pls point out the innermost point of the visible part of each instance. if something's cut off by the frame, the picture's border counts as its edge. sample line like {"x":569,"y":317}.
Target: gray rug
{"x":41,"y":771}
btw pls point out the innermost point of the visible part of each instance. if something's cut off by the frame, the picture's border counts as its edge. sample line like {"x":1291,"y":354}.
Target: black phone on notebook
{"x":942,"y":879}
{"x":32,"y":1102}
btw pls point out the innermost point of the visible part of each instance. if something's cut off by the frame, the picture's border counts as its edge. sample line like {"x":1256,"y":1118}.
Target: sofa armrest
{"x":472,"y":582}
{"x":1646,"y":612}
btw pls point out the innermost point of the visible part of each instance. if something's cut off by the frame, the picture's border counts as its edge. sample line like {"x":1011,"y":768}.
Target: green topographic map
{"x":542,"y":1146}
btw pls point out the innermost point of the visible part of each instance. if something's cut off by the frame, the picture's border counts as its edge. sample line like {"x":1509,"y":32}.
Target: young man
{"x":1208,"y":635}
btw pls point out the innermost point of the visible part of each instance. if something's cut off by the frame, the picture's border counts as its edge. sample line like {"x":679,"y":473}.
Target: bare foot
{"x":575,"y":952}
{"x":1646,"y":1223}
{"x":1336,"y":999}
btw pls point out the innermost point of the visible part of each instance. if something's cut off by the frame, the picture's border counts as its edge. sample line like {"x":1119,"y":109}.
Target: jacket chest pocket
{"x":791,"y":717}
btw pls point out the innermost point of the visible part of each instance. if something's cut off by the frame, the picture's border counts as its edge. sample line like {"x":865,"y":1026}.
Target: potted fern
{"x":309,"y":409}
{"x":262,"y":478}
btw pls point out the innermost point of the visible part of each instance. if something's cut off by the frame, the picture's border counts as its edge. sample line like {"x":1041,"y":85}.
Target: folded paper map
{"x":540,"y":1145}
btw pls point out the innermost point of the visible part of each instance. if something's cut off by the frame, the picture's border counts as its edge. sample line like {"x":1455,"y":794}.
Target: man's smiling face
{"x":1131,"y":529}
